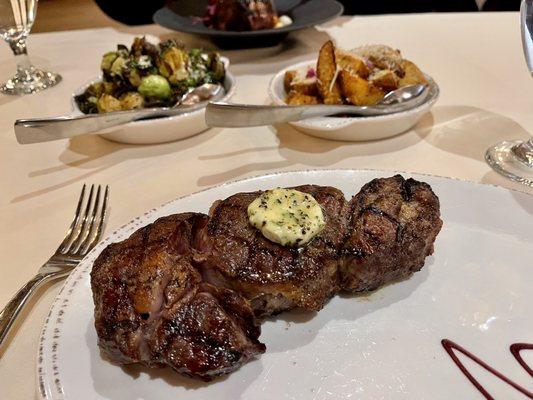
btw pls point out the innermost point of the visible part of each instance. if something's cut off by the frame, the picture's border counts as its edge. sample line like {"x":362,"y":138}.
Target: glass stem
{"x":21,"y":55}
{"x":524,"y":152}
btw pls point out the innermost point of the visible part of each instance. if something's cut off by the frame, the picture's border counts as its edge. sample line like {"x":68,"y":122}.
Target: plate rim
{"x":79,"y":270}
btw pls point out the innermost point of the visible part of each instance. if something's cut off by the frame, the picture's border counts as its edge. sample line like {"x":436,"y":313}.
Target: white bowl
{"x":354,"y":128}
{"x":160,"y":130}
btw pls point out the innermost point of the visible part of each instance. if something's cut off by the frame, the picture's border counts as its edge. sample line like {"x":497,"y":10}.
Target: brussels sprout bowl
{"x":150,"y":75}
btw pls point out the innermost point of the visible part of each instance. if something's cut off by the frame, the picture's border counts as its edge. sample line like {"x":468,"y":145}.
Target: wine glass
{"x":16,"y":20}
{"x":514,"y":159}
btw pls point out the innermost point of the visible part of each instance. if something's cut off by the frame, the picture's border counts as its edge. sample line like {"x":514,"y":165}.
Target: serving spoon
{"x":47,"y":129}
{"x":230,"y":115}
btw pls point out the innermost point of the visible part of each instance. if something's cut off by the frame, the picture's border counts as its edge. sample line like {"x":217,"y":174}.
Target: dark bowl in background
{"x":179,"y":15}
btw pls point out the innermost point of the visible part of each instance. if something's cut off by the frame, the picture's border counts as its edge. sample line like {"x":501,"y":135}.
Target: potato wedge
{"x":298,"y":99}
{"x":326,"y":70}
{"x":298,"y":82}
{"x":383,"y":57}
{"x":288,"y":78}
{"x":385,"y":79}
{"x":308,"y":86}
{"x":413,"y":75}
{"x":359,"y":91}
{"x":352,"y":63}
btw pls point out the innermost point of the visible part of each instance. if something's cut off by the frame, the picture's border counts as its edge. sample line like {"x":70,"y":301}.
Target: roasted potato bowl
{"x":362,"y":76}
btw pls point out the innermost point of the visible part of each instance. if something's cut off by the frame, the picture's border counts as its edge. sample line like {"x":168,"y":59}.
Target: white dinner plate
{"x":476,"y":290}
{"x":354,"y":129}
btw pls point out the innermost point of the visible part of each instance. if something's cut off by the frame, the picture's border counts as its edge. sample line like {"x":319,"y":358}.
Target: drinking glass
{"x":16,"y":20}
{"x":514,"y":159}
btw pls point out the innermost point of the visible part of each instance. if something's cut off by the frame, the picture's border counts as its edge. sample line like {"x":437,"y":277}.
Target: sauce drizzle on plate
{"x":451,"y":347}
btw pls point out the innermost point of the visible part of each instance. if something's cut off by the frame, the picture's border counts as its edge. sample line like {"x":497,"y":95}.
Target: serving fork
{"x":82,"y":235}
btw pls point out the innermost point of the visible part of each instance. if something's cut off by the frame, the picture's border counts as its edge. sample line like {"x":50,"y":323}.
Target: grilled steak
{"x":184,"y":291}
{"x":393,"y":224}
{"x":152,"y":306}
{"x":274,"y":277}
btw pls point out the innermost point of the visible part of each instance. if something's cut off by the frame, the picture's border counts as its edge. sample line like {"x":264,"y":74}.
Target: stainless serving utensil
{"x":231,"y":115}
{"x":46,"y":129}
{"x":403,"y":95}
{"x":83,"y":234}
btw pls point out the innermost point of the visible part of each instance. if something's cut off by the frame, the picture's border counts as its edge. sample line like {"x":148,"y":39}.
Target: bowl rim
{"x":203,"y":30}
{"x":230,"y":78}
{"x":342,"y":122}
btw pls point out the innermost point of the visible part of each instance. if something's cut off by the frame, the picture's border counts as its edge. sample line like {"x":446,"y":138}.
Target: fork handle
{"x":16,"y":304}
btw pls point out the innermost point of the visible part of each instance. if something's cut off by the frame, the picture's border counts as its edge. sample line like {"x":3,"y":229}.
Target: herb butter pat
{"x":287,"y":216}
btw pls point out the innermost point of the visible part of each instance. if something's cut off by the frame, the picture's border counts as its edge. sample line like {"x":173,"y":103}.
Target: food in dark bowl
{"x":236,"y":27}
{"x":148,"y":75}
{"x":243,"y":15}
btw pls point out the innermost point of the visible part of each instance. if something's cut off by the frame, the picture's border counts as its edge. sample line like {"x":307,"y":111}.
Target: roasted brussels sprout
{"x":108,"y":87}
{"x":107,"y":61}
{"x":134,"y":78}
{"x":108,"y":103}
{"x":141,"y":46}
{"x":155,"y":86}
{"x":131,"y":101}
{"x":173,"y":64}
{"x":87,"y":101}
{"x":147,"y":75}
{"x":218,"y":69}
{"x":117,"y":66}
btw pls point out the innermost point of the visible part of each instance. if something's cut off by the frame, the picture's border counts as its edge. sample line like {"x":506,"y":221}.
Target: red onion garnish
{"x":209,"y":15}
{"x":211,"y":9}
{"x":311,"y":73}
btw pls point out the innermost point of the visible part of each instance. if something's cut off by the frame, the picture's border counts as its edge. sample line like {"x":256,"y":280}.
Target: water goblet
{"x":16,"y":20}
{"x":514,"y":159}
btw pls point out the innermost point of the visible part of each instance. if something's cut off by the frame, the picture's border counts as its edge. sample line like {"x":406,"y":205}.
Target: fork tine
{"x":97,"y":231}
{"x":68,"y":236}
{"x":81,"y":225}
{"x":103,"y":214}
{"x":85,"y":236}
{"x":87,"y":221}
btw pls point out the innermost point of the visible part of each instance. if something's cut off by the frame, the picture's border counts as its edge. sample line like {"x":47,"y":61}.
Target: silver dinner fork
{"x":82,"y":235}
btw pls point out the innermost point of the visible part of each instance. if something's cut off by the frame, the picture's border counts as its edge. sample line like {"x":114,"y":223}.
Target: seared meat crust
{"x":393,"y":225}
{"x":152,"y":307}
{"x":274,"y":277}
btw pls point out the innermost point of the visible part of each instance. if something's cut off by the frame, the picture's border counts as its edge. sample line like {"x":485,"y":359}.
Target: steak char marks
{"x":273,"y":277}
{"x":393,"y":225}
{"x":152,"y":306}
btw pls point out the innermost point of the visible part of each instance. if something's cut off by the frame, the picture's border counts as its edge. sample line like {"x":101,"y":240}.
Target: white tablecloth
{"x":476,"y":59}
